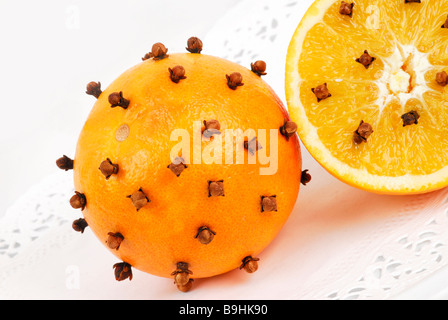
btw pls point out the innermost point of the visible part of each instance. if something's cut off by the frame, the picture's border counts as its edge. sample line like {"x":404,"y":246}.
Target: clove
{"x":268,"y":204}
{"x":114,"y":240}
{"x":442,"y":78}
{"x":234,"y":80}
{"x":177,"y":74}
{"x":94,"y":89}
{"x":158,"y":52}
{"x":186,"y":287}
{"x":346,"y":9}
{"x":194,"y":45}
{"x":107,"y":168}
{"x":305,"y":178}
{"x":259,"y":68}
{"x":250,"y":264}
{"x":123,"y":271}
{"x":79,"y":225}
{"x":212,"y":127}
{"x":252,"y":146}
{"x":216,"y":188}
{"x":366,"y":59}
{"x":321,"y":92}
{"x":288,"y":129}
{"x":139,"y":199}
{"x":362,"y":133}
{"x":410,"y":118}
{"x":205,"y":235}
{"x":116,"y":100}
{"x":78,"y":201}
{"x":65,"y":163}
{"x":178,"y":166}
{"x":445,"y":25}
{"x":182,"y":275}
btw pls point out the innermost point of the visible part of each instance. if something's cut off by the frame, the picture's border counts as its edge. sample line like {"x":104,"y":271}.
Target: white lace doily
{"x":339,"y":243}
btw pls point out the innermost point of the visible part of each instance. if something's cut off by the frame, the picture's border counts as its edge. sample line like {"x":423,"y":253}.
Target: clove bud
{"x":123,"y":271}
{"x":305,"y":178}
{"x":252,"y":146}
{"x":177,"y":74}
{"x":288,"y":129}
{"x":259,"y":67}
{"x":366,"y":59}
{"x":442,"y":78}
{"x":268,"y":204}
{"x":216,"y":188}
{"x":212,"y":127}
{"x":445,"y":25}
{"x":234,"y":80}
{"x":250,"y":264}
{"x":158,"y":52}
{"x":321,"y":92}
{"x":362,"y":133}
{"x":346,"y":9}
{"x":94,"y":89}
{"x":410,"y":118}
{"x":107,"y":168}
{"x":182,"y":275}
{"x":116,"y":100}
{"x":178,"y":166}
{"x":186,"y":287}
{"x":205,"y":235}
{"x":194,"y":45}
{"x":78,"y":201}
{"x":79,"y":225}
{"x":65,"y":163}
{"x":139,"y":199}
{"x":114,"y":240}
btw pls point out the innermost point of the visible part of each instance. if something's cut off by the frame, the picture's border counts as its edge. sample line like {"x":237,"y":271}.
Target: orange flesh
{"x":383,"y":28}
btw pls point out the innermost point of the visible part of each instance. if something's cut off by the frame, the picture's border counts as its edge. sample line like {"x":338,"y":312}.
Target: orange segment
{"x":410,"y":47}
{"x":367,"y":28}
{"x":326,"y":49}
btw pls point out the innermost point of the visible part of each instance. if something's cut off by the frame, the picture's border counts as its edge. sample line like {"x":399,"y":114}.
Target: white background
{"x":51,"y":49}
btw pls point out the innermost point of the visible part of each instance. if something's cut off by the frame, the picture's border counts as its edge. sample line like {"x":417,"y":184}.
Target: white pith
{"x":394,"y":83}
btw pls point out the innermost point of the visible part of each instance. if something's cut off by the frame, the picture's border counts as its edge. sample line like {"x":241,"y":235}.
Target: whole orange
{"x":200,"y":216}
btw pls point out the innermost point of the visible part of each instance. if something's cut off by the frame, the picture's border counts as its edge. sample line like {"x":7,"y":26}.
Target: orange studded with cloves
{"x":177,"y":212}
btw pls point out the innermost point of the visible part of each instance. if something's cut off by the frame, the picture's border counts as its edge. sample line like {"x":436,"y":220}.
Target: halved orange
{"x":383,"y":64}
